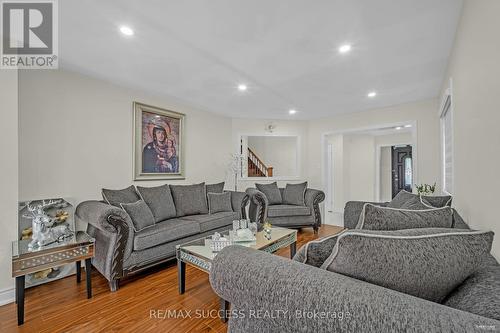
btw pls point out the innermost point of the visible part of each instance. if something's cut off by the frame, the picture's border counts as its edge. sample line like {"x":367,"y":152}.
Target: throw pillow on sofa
{"x":293,"y":194}
{"x":436,"y":201}
{"x":219,"y":202}
{"x":430,"y":201}
{"x":190,"y":199}
{"x":116,"y":197}
{"x":383,"y":218}
{"x":426,"y":263}
{"x":160,"y":201}
{"x":215,"y":188}
{"x":140,"y":214}
{"x":415,"y":203}
{"x":272,"y":193}
{"x":400,"y":199}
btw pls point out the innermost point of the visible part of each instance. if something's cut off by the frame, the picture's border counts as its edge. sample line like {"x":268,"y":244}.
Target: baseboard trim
{"x":7,"y":296}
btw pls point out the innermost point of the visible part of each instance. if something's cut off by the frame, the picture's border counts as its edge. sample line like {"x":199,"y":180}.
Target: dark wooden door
{"x":402,"y":169}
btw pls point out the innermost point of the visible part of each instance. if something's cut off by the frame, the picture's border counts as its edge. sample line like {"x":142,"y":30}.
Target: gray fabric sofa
{"x":353,"y":209}
{"x":121,"y":251}
{"x":269,"y":293}
{"x":274,"y":294}
{"x":291,"y":216}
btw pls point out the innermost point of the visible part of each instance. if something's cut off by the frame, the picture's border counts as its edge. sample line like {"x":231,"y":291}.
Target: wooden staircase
{"x":257,"y":168}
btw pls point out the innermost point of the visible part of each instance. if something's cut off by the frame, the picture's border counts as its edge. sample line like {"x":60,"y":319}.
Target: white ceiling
{"x":284,"y":50}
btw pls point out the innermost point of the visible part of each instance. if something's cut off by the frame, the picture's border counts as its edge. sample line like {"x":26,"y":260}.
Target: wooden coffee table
{"x":198,"y":254}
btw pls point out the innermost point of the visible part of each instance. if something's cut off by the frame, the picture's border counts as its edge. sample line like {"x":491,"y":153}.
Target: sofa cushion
{"x":288,"y":210}
{"x":215,"y":188}
{"x":208,"y":222}
{"x":219,"y":202}
{"x":160,"y":201}
{"x":430,"y":201}
{"x":190,"y":199}
{"x":116,"y":197}
{"x":426,"y":263}
{"x":383,"y":218}
{"x":140,"y":214}
{"x":164,"y":232}
{"x":294,"y":194}
{"x":272,"y":192}
{"x":480,"y":293}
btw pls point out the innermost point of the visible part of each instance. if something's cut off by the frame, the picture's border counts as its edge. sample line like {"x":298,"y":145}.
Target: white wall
{"x":394,"y":139}
{"x":475,"y":69}
{"x":385,"y":174}
{"x":282,"y":127}
{"x":359,"y":167}
{"x":423,"y":113}
{"x":76,"y":136}
{"x":337,"y":142}
{"x":8,"y":178}
{"x":355,"y":165}
{"x":279,"y":152}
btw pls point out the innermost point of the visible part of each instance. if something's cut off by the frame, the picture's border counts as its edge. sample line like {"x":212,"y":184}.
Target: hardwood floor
{"x":62,"y":306}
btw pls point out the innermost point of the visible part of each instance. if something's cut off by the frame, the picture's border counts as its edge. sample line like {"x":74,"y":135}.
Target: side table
{"x":71,"y":250}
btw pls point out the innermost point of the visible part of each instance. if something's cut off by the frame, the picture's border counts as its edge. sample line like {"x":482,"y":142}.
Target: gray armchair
{"x":287,"y":215}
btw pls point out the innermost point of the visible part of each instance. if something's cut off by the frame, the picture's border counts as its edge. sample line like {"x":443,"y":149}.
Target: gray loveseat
{"x":286,"y":215}
{"x":120,"y":250}
{"x":273,"y":294}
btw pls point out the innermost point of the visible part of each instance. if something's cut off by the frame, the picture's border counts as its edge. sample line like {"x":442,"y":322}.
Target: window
{"x":408,"y":173}
{"x":447,"y":143}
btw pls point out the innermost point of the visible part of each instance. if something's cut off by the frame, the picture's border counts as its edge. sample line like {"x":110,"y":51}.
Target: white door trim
{"x":324,"y":153}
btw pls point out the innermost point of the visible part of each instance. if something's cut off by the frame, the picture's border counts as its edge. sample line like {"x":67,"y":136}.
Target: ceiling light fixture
{"x":372,"y":94}
{"x":127,"y":31}
{"x":292,"y":111}
{"x":242,"y":87}
{"x":345,"y":48}
{"x":399,"y":128}
{"x":408,"y":126}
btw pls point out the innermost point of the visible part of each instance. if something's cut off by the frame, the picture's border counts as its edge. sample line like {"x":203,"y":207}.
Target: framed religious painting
{"x":158,"y":143}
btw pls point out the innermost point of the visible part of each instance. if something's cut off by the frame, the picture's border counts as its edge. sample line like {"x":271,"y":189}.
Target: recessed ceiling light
{"x":345,"y":48}
{"x":372,"y":94}
{"x":242,"y":87}
{"x":127,"y":31}
{"x":408,"y":126}
{"x":292,"y":111}
{"x":398,"y":128}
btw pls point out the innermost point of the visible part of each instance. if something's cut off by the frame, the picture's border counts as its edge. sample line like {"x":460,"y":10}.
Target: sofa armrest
{"x":239,"y":202}
{"x":458,"y":221}
{"x":315,"y":252}
{"x":291,"y":293}
{"x":312,"y":199}
{"x":258,"y":205}
{"x":114,"y":234}
{"x":352,"y":211}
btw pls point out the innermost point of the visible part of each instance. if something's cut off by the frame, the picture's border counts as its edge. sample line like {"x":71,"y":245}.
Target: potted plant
{"x":425,"y":189}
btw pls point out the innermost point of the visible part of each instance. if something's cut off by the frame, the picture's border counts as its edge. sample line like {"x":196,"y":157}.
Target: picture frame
{"x":158,"y":143}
